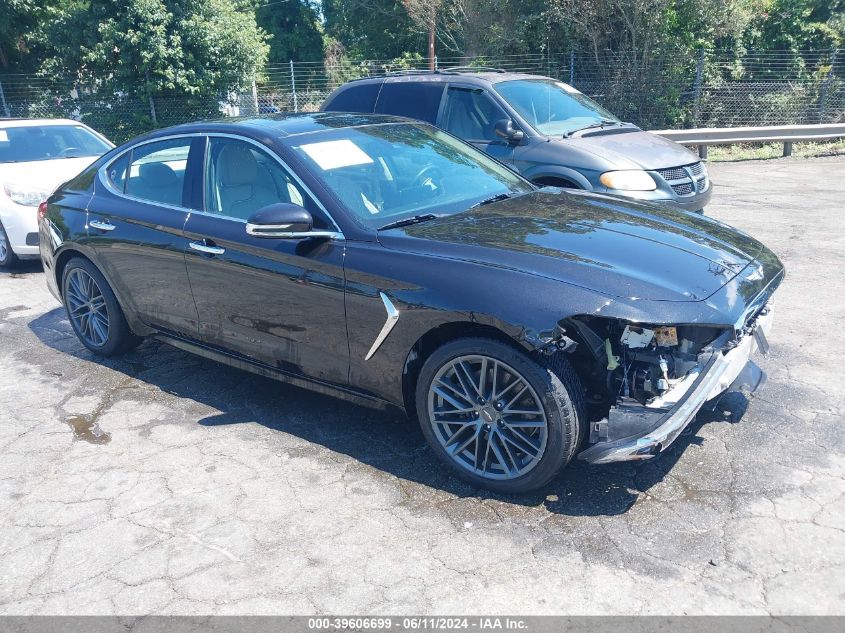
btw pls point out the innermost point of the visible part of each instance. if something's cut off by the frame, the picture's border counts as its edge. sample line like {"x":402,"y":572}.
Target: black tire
{"x":118,"y":337}
{"x":555,"y":383}
{"x":555,"y":182}
{"x":7,"y":255}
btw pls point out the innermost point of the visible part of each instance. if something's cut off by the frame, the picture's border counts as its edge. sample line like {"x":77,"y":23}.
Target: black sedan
{"x":386,"y":262}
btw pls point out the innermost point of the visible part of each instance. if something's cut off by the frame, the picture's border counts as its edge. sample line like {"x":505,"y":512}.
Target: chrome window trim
{"x":106,"y":182}
{"x":103,"y":176}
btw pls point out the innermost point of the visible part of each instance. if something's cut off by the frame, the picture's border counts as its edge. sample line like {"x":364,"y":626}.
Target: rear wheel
{"x":7,"y":255}
{"x":496,"y":417}
{"x":93,"y":310}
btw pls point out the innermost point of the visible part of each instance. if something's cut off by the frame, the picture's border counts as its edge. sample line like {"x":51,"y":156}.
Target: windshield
{"x":20,"y":144}
{"x":389,"y":172}
{"x":551,"y":107}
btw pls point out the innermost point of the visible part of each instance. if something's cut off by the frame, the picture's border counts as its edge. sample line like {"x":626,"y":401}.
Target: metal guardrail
{"x":786,"y":134}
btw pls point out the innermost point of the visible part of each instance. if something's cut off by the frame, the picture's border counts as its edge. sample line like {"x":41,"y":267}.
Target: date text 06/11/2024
{"x":419,"y":623}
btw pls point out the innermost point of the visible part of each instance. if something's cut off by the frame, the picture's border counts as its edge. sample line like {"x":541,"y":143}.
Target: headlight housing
{"x":25,"y":195}
{"x":628,"y":180}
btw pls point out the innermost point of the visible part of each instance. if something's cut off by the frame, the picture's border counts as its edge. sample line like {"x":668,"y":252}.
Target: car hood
{"x":628,"y":148}
{"x":615,"y":247}
{"x":44,"y":174}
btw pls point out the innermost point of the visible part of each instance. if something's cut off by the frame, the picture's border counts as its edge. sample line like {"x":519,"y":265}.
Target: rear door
{"x":278,"y":301}
{"x":135,"y":229}
{"x":470,"y":114}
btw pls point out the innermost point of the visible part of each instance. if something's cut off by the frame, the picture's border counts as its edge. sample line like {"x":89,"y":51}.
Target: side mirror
{"x":508,"y":131}
{"x":280,"y":220}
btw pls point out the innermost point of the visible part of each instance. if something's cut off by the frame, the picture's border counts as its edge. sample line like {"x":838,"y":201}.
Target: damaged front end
{"x":647,"y":382}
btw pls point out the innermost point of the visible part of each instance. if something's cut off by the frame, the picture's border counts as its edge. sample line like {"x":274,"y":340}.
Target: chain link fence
{"x":674,"y":89}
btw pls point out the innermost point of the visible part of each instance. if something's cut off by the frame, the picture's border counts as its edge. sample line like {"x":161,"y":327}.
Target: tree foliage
{"x":18,"y":18}
{"x":372,"y":29}
{"x":294,"y":29}
{"x":180,"y":46}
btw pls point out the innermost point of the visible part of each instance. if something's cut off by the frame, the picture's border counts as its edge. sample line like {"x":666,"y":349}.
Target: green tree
{"x":187,"y":46}
{"x":124,"y":53}
{"x":294,"y":29}
{"x":798,"y":25}
{"x":18,"y":18}
{"x":372,"y":29}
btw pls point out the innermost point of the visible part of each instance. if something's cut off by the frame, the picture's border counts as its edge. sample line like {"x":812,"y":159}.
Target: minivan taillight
{"x":42,"y":210}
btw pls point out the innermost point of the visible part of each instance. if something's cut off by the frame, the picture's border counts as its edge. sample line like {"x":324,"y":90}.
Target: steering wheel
{"x":429,"y":172}
{"x":68,"y":150}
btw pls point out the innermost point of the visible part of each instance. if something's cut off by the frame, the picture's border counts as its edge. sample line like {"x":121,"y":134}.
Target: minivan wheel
{"x":496,"y":417}
{"x":93,"y":311}
{"x":7,"y":255}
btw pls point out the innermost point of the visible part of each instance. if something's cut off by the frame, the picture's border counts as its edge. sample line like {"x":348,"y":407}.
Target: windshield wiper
{"x":408,"y":221}
{"x":601,"y":123}
{"x":496,"y":198}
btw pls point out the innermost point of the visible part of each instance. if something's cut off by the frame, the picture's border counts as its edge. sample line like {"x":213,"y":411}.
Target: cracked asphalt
{"x":164,"y":483}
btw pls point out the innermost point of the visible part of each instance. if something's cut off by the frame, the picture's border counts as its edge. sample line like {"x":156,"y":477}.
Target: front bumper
{"x":21,"y":226}
{"x":664,"y":197}
{"x":716,"y":375}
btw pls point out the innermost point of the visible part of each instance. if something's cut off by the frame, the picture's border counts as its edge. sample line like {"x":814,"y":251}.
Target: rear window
{"x":360,"y":98}
{"x":419,"y":100}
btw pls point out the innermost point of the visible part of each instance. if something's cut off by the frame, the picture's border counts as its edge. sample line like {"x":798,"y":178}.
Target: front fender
{"x":430,"y":292}
{"x":537,"y":172}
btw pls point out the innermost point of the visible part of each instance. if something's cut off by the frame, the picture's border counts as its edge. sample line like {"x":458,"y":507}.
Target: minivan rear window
{"x":360,"y":98}
{"x":417,"y":100}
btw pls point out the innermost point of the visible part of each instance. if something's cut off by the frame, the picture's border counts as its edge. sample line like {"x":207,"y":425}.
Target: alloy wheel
{"x":487,"y":417}
{"x":87,"y":308}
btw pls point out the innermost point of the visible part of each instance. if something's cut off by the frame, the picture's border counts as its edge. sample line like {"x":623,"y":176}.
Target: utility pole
{"x":431,"y":29}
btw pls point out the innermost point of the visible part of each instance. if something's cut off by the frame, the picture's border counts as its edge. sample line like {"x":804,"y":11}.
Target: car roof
{"x":8,"y":123}
{"x":282,"y":125}
{"x":481,"y":76}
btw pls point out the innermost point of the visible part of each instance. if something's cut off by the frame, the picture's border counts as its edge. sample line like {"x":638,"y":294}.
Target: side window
{"x":117,"y":172}
{"x":157,"y":171}
{"x":241,"y":179}
{"x":416,"y":100}
{"x":471,"y":115}
{"x":360,"y":98}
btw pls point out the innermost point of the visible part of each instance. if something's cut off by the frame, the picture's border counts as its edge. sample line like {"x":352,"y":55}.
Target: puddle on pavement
{"x":87,"y":430}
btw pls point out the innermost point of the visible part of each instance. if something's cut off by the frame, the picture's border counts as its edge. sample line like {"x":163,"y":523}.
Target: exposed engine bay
{"x":646,"y":363}
{"x":639,"y":372}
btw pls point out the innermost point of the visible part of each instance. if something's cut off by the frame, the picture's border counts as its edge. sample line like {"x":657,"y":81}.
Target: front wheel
{"x":498,"y":418}
{"x":7,"y":255}
{"x":93,"y":310}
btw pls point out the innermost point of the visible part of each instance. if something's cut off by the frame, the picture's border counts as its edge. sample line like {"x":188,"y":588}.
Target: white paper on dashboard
{"x":333,"y":154}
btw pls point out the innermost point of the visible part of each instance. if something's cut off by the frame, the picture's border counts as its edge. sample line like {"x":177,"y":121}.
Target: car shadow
{"x":22,"y":268}
{"x":383,"y":440}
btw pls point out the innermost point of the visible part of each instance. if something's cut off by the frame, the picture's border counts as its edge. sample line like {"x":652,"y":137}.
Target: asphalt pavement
{"x":165,"y":483}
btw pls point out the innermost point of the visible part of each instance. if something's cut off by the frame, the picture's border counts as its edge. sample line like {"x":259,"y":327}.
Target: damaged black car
{"x":386,"y":262}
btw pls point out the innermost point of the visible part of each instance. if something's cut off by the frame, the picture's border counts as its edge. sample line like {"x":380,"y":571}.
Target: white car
{"x":36,"y":156}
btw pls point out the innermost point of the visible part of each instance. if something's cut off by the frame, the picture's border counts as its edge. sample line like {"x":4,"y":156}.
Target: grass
{"x":762,"y":151}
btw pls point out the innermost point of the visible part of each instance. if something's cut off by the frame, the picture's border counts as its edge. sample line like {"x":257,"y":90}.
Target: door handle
{"x":102,"y":225}
{"x":208,"y":249}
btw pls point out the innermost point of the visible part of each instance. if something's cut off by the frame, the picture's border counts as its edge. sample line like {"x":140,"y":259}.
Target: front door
{"x":471,"y":115}
{"x":135,"y":229}
{"x":278,"y":301}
